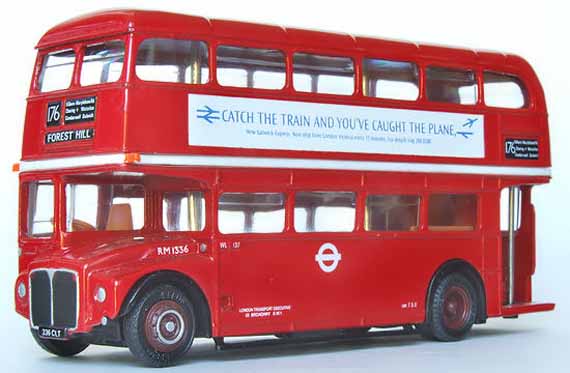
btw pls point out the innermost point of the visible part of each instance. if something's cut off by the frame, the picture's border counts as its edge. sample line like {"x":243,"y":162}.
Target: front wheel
{"x":452,"y":309}
{"x":160,"y":327}
{"x":61,"y":348}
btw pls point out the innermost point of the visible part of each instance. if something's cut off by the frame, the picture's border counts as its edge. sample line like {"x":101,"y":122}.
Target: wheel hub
{"x":165,"y":326}
{"x":456,"y":308}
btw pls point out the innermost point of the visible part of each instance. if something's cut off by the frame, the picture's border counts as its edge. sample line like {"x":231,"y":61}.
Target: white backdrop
{"x":536,"y":30}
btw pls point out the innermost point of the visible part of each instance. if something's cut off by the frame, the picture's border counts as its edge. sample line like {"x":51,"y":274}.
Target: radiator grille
{"x":54,"y":298}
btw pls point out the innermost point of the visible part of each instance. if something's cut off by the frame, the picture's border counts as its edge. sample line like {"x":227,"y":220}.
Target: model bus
{"x":189,"y":178}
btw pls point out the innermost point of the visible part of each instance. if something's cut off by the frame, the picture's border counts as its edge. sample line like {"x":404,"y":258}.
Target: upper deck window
{"x":390,"y":79}
{"x":504,"y":91}
{"x":455,"y":86}
{"x":250,"y":67}
{"x":323,"y":74}
{"x":57,"y":70}
{"x":171,"y":60}
{"x":103,"y":62}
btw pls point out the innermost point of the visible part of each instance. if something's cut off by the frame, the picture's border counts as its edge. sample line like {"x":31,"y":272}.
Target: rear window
{"x":171,"y":60}
{"x":103,"y":62}
{"x":57,"y":70}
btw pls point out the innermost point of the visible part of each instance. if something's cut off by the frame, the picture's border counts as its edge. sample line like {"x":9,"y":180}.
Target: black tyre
{"x":160,"y":327}
{"x":452,"y":309}
{"x":61,"y":348}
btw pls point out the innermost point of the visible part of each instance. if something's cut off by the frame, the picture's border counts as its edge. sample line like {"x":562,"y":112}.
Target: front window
{"x":105,"y":207}
{"x":57,"y":70}
{"x":40,"y":208}
{"x":103,"y":62}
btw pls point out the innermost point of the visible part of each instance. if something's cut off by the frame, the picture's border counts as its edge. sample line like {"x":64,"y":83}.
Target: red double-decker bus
{"x":189,"y":178}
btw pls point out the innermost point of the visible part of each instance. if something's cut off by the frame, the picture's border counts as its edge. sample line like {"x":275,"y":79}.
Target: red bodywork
{"x":380,"y":272}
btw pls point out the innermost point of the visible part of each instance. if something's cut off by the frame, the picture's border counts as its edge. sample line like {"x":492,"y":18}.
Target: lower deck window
{"x":183,"y":211}
{"x":40,"y":208}
{"x":251,"y":213}
{"x":452,"y":212}
{"x":392,"y":213}
{"x":106,"y":207}
{"x":325,"y":211}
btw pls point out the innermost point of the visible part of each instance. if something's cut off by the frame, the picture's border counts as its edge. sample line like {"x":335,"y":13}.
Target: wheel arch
{"x":184,"y":283}
{"x":465,"y":268}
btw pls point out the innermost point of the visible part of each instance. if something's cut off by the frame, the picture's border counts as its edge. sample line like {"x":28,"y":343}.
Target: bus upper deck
{"x":111,"y":84}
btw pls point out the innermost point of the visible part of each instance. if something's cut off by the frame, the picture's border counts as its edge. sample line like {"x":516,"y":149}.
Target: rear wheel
{"x":61,"y":348}
{"x":160,"y":327}
{"x":452,"y":309}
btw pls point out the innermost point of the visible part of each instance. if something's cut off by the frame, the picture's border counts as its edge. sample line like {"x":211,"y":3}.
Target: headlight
{"x":22,"y":290}
{"x":100,"y":294}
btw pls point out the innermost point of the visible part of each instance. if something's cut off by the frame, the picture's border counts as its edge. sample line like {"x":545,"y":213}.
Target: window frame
{"x":246,"y":190}
{"x":206,"y":195}
{"x":42,"y":56}
{"x":356,"y":64}
{"x":140,"y":38}
{"x":124,"y":68}
{"x":147,"y":201}
{"x":276,"y":47}
{"x":478,"y":211}
{"x":393,"y":192}
{"x":420,"y":82}
{"x":527,"y":93}
{"x":26,"y":234}
{"x":436,"y":64}
{"x":358,"y":209}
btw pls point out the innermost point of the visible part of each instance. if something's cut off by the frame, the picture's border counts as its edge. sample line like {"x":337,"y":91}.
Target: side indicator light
{"x":16,"y":167}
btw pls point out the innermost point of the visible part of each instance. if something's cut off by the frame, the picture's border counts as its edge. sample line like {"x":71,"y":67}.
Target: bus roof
{"x":113,"y":22}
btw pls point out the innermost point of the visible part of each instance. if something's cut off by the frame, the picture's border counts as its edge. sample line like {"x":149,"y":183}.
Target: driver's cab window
{"x":40,"y":208}
{"x":183,"y":211}
{"x":105,"y":207}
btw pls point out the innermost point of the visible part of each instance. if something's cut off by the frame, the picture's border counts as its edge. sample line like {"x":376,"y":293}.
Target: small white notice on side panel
{"x":236,"y":122}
